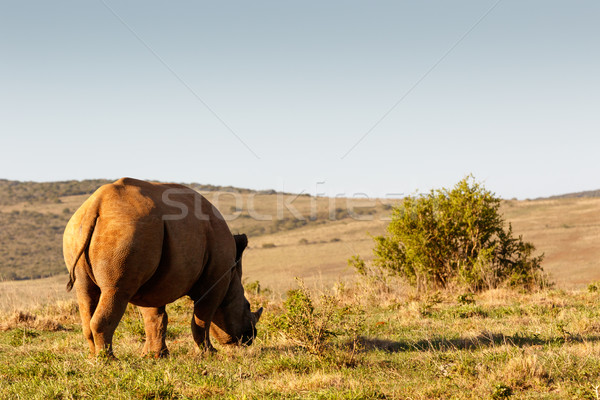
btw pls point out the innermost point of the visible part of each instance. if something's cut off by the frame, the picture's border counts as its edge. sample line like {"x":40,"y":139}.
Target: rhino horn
{"x":257,"y":314}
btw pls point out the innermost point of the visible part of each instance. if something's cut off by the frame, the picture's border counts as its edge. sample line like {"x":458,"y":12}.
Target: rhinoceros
{"x":150,"y":244}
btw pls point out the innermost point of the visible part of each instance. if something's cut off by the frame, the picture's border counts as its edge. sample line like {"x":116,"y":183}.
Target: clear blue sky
{"x":293,"y":86}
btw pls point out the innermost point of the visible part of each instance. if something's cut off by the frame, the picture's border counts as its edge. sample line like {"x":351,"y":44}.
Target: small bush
{"x":466,"y":298}
{"x":252,"y":287}
{"x":426,"y":306}
{"x":268,"y":245}
{"x":303,"y":241}
{"x":304,"y":324}
{"x":501,"y":392}
{"x":359,"y":264}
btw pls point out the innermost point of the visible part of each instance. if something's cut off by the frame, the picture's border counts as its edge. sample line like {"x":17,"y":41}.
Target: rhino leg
{"x":155,"y":325}
{"x":110,"y":309}
{"x":201,"y":321}
{"x":87,"y":297}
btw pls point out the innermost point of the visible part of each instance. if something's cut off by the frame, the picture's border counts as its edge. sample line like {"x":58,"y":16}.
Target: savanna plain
{"x":361,"y":337}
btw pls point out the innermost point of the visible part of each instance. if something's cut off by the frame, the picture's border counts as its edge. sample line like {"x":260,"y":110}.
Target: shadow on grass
{"x":484,"y":340}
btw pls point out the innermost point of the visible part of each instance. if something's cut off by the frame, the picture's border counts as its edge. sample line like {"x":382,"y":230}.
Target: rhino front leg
{"x":155,"y":325}
{"x":201,"y":321}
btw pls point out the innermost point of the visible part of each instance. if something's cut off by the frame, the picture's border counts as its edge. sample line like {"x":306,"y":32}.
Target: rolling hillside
{"x":586,"y":194}
{"x":33,"y":216}
{"x":310,"y":237}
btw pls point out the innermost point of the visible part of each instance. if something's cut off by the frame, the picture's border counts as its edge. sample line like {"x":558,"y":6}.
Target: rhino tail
{"x":85,"y":231}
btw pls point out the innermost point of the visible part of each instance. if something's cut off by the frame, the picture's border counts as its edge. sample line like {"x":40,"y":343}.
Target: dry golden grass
{"x":320,"y":262}
{"x":28,"y":294}
{"x":567,"y":231}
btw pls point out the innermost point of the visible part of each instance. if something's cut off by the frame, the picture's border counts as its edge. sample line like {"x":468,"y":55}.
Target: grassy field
{"x":34,"y":293}
{"x":388,"y":344}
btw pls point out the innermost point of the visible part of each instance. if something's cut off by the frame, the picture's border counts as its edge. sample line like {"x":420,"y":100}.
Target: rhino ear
{"x":257,"y":314}
{"x":241,"y":242}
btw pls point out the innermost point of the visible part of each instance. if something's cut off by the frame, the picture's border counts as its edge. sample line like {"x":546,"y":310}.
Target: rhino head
{"x":234,"y":322}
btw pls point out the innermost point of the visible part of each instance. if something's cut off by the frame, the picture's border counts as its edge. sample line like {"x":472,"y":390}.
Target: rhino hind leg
{"x":88,"y":295}
{"x":155,"y":325}
{"x":110,"y":309}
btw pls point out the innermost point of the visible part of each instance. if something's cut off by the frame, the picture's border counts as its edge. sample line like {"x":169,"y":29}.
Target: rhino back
{"x":145,"y":244}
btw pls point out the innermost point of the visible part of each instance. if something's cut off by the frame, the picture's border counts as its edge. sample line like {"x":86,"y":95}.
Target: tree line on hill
{"x":15,"y":192}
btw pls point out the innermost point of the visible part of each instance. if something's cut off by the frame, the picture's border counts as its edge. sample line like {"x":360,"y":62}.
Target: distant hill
{"x":15,"y":192}
{"x":33,"y":216}
{"x":576,"y":195}
{"x":315,"y":246}
{"x":32,"y":220}
{"x":30,"y":244}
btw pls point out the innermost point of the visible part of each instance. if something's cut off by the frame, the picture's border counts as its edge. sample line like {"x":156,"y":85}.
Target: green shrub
{"x":252,"y":287}
{"x":501,"y":392}
{"x":456,"y":236}
{"x":359,"y":264}
{"x":466,"y":298}
{"x":303,"y":323}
